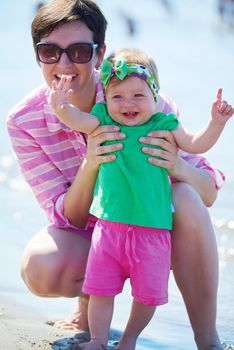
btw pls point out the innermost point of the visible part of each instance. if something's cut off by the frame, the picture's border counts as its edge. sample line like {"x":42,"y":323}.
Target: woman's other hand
{"x":98,"y":153}
{"x":168,"y":151}
{"x":178,"y":168}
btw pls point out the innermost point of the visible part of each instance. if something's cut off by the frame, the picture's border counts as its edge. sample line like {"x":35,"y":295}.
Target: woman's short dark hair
{"x":58,"y":12}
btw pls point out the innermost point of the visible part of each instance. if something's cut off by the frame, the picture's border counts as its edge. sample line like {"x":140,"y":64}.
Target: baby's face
{"x":130,"y":102}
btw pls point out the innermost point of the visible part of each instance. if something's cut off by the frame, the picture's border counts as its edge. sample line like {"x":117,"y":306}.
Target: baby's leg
{"x":100,"y":313}
{"x":139,"y":318}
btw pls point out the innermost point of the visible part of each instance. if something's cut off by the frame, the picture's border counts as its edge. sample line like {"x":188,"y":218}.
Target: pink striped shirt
{"x":49,"y":153}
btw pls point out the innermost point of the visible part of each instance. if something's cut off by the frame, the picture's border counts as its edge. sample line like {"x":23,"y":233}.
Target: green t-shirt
{"x":131,"y":190}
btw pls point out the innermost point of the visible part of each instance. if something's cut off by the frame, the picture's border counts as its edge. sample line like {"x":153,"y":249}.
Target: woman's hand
{"x":180,"y":169}
{"x":168,"y":151}
{"x":96,"y":152}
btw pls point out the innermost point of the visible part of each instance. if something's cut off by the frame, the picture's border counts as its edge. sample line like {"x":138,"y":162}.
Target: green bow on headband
{"x":121,"y":69}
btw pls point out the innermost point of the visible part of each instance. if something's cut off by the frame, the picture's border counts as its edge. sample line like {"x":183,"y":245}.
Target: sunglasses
{"x":77,"y":52}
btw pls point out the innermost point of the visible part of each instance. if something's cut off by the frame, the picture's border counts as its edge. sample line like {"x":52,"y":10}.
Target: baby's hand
{"x":60,"y":94}
{"x":221,"y":111}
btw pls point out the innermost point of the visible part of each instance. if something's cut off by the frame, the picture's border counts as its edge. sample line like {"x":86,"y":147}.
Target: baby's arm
{"x":67,"y":113}
{"x":204,"y":139}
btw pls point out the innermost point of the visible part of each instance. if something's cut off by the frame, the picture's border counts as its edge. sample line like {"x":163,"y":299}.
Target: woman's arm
{"x":80,"y":193}
{"x":65,"y":204}
{"x":200,"y":179}
{"x":178,"y":168}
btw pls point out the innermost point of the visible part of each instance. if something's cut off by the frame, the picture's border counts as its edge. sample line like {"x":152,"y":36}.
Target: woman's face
{"x":82,"y":74}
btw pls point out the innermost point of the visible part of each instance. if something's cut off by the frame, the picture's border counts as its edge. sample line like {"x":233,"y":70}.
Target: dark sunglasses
{"x":77,"y":52}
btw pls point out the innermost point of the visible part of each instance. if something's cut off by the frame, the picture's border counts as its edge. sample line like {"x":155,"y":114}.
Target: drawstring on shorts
{"x":130,"y":246}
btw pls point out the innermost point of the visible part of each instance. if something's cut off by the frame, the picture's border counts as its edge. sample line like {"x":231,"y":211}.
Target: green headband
{"x":121,"y":69}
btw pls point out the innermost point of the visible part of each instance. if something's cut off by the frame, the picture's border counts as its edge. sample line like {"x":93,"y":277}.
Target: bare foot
{"x":78,"y":321}
{"x":94,"y":344}
{"x":211,"y":344}
{"x":127,"y":344}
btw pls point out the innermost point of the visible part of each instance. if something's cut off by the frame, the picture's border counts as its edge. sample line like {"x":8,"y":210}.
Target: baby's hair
{"x":135,"y":56}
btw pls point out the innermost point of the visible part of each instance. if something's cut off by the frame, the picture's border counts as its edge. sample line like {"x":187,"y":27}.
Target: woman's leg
{"x":53,"y":265}
{"x":195,"y":264}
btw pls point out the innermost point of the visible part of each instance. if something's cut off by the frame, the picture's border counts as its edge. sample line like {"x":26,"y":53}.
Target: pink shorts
{"x":120,"y":251}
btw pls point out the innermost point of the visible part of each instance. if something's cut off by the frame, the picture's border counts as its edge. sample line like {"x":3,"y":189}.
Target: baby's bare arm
{"x":204,"y":139}
{"x":67,"y":113}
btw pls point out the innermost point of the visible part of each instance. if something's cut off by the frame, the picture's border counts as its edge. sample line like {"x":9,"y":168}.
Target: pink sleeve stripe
{"x":63,"y":156}
{"x":19,"y":136}
{"x":53,"y":148}
{"x":47,"y":199}
{"x":34,"y":164}
{"x":24,"y":150}
{"x":43,"y":181}
{"x":32,"y":119}
{"x":201,"y":162}
{"x":40,"y":170}
{"x":48,"y":186}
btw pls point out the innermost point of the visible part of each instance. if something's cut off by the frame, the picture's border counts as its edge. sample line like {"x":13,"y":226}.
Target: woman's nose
{"x":64,"y":60}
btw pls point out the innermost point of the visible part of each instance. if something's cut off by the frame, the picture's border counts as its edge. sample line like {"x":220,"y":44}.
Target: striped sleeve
{"x":199,"y":161}
{"x":46,"y":181}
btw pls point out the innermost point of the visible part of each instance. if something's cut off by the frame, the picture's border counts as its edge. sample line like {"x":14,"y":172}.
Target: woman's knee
{"x":40,"y":272}
{"x":190,"y":210}
{"x":54,"y":262}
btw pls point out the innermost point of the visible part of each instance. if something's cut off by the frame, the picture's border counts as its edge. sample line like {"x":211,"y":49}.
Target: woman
{"x":61,"y":167}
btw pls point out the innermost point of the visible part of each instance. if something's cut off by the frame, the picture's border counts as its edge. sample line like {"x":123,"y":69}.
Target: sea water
{"x":194,"y":53}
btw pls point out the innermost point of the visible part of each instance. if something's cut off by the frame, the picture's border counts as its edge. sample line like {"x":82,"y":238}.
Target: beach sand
{"x":21,"y":329}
